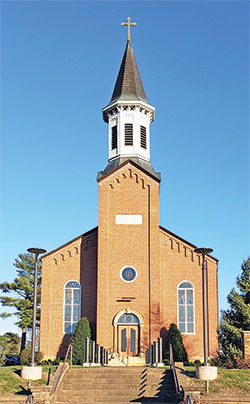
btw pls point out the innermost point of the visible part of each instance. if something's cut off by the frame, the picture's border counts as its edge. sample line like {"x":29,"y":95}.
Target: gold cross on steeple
{"x":129,"y":24}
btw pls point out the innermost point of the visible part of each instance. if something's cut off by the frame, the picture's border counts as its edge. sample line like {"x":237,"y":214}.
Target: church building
{"x":129,"y":276}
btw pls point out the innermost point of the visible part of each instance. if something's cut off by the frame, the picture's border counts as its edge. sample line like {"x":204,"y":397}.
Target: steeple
{"x":129,"y":115}
{"x":128,"y":86}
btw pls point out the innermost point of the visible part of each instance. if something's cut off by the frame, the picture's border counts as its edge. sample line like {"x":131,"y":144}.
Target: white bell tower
{"x":129,"y":115}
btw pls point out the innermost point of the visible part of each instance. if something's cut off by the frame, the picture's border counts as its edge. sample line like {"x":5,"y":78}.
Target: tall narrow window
{"x":114,"y":137}
{"x":186,"y":308}
{"x":143,"y":137}
{"x":128,"y":134}
{"x":72,"y":306}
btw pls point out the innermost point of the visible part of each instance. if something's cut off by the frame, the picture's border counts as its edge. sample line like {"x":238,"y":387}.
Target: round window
{"x":128,"y":274}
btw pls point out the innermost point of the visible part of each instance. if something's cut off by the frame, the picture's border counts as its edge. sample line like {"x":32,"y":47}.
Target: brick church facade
{"x":129,"y":276}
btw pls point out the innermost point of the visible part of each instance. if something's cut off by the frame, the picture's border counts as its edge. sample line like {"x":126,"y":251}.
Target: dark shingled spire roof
{"x":128,"y":86}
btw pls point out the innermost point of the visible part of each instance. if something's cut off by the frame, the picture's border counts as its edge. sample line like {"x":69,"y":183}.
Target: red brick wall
{"x":167,"y":258}
{"x":180,"y":263}
{"x":246,"y":339}
{"x":74,"y":261}
{"x":127,"y":192}
{"x":171,"y":261}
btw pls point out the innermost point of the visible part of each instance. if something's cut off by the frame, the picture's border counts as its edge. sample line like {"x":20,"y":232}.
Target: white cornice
{"x":117,"y":106}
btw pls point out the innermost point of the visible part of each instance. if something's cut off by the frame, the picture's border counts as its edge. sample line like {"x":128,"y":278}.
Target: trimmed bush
{"x":174,"y":337}
{"x":25,"y":357}
{"x":81,"y":332}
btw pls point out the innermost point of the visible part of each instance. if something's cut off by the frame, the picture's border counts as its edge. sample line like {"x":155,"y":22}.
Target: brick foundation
{"x":246,"y":346}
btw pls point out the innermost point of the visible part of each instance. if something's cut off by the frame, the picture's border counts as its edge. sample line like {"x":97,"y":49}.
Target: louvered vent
{"x":143,"y":137}
{"x":114,"y":137}
{"x":128,"y":134}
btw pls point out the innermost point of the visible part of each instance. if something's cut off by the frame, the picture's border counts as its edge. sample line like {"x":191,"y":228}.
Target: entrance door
{"x":128,"y":340}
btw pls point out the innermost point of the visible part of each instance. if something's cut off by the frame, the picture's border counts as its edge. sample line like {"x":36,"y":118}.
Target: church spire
{"x":128,"y":86}
{"x":129,"y":116}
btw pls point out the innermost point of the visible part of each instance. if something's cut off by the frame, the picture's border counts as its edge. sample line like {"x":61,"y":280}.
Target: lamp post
{"x":35,"y":251}
{"x":204,"y":251}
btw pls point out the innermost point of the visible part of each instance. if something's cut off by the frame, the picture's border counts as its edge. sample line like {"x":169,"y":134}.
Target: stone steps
{"x":13,"y":399}
{"x":138,"y":401}
{"x":115,"y":385}
{"x":225,"y":400}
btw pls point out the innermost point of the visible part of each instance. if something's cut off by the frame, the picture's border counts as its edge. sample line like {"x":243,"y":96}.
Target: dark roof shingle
{"x":128,"y":86}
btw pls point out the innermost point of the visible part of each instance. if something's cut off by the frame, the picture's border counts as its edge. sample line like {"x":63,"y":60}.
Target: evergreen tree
{"x":81,"y":332}
{"x":21,"y":290}
{"x":9,"y":344}
{"x":237,"y":318}
{"x":13,"y":342}
{"x":174,"y":337}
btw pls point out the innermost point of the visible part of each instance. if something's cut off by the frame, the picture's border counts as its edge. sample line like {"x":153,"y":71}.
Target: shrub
{"x":197,"y":363}
{"x":39,"y":357}
{"x":57,"y":361}
{"x":236,"y":363}
{"x":81,"y":332}
{"x":25,"y":357}
{"x":174,"y":337}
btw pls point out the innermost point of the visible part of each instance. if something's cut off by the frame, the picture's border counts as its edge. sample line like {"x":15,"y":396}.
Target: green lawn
{"x":12,"y":383}
{"x":232,"y":381}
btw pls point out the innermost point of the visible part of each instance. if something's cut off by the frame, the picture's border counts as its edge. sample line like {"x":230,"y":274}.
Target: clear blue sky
{"x":60,"y":60}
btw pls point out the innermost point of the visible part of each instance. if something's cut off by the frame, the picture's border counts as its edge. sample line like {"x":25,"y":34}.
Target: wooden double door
{"x":128,"y":340}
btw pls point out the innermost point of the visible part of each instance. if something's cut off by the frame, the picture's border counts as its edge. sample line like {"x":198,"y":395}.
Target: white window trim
{"x":185,"y":333}
{"x":71,"y":280}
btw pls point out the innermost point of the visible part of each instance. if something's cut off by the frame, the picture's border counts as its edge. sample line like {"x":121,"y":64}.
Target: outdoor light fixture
{"x":35,"y":251}
{"x":204,"y":251}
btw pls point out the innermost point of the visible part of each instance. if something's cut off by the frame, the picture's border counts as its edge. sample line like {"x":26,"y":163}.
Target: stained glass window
{"x":123,"y":347}
{"x":128,"y":318}
{"x":72,"y":306}
{"x":186,"y":308}
{"x":132,"y":340}
{"x":128,"y":274}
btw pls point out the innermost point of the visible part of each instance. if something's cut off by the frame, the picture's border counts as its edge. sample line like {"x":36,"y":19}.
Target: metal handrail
{"x":63,"y":366}
{"x":30,"y":399}
{"x":172,"y":366}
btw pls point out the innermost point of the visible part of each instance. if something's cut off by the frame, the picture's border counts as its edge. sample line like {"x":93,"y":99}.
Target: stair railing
{"x":63,"y":368}
{"x":178,"y":391}
{"x":172,"y":367}
{"x":30,"y":399}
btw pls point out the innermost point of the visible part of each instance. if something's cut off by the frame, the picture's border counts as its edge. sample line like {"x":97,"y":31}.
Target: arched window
{"x":72,"y":306}
{"x":186,"y":307}
{"x":128,"y":318}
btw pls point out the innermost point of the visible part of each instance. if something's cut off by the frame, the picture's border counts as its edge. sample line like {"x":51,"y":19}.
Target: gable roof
{"x":183,"y":240}
{"x":71,"y":241}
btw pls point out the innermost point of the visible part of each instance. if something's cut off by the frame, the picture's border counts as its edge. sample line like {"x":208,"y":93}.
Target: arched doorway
{"x":128,"y":333}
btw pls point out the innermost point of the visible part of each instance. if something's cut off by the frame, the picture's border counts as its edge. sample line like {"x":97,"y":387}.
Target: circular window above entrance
{"x":128,"y":274}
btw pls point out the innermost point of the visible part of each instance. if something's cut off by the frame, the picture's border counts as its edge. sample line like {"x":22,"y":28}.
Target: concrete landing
{"x":124,"y":361}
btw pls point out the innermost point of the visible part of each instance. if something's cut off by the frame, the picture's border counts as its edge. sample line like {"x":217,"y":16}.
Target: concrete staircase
{"x":13,"y":399}
{"x":116,"y":385}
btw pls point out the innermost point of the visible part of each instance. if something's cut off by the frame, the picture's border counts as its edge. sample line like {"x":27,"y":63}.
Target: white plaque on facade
{"x":128,"y":219}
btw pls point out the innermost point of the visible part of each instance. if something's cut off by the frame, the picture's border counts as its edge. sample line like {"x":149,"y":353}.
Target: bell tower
{"x":128,"y":222}
{"x":129,"y":114}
